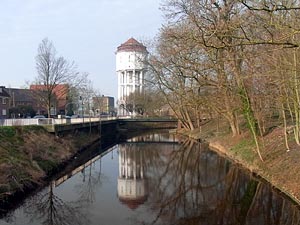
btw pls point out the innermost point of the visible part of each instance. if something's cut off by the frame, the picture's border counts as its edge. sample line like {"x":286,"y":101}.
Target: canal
{"x":156,"y":178}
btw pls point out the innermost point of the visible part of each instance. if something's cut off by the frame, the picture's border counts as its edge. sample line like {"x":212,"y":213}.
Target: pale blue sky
{"x":86,"y":31}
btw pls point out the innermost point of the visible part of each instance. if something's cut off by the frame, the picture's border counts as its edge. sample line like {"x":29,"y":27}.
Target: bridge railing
{"x":25,"y":122}
{"x":50,"y":121}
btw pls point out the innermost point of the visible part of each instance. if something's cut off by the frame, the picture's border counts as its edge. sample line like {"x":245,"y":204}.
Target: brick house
{"x":58,"y":103}
{"x":4,"y":103}
{"x":21,"y":98}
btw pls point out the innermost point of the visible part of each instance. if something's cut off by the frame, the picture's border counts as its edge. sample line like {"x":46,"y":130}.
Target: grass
{"x":33,"y":128}
{"x":19,"y":177}
{"x":244,"y":149}
{"x":28,"y":154}
{"x":19,"y":147}
{"x":7,"y":132}
{"x":46,"y":165}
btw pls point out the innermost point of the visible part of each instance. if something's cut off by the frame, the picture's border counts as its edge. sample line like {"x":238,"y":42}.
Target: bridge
{"x":107,"y":124}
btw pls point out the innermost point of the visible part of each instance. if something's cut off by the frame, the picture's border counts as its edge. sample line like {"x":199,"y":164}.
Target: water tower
{"x":132,"y":182}
{"x":131,"y":71}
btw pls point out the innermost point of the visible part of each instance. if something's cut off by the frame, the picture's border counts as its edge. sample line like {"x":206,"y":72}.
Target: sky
{"x":87,"y":32}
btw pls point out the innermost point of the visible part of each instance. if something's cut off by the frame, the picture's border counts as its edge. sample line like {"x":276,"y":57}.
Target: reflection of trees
{"x":51,"y":210}
{"x":196,"y":186}
{"x":91,"y":180}
{"x":269,"y":208}
{"x":8,"y":217}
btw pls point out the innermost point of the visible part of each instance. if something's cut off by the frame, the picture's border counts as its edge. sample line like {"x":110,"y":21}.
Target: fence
{"x":25,"y":122}
{"x":45,"y":121}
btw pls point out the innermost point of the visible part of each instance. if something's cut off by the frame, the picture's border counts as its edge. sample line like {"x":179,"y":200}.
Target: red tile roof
{"x":133,"y":203}
{"x":132,"y":45}
{"x":60,"y":90}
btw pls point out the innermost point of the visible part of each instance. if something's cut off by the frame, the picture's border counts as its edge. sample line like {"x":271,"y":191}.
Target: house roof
{"x":4,"y":93}
{"x":133,"y":203}
{"x":60,"y":90}
{"x":22,"y":95}
{"x":132,"y":45}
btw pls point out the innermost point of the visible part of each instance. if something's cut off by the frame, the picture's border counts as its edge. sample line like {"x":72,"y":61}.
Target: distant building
{"x":4,"y":103}
{"x":104,"y":105}
{"x":15,"y":101}
{"x":22,"y":102}
{"x":21,"y":97}
{"x":59,"y":100}
{"x":131,"y":71}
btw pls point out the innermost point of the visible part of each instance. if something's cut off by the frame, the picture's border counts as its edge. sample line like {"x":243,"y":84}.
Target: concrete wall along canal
{"x":109,"y":127}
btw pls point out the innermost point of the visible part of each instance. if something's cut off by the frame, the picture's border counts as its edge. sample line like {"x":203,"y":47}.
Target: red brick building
{"x":59,"y":100}
{"x":4,"y":103}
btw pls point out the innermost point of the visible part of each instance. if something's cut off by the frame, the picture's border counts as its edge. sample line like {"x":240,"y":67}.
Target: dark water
{"x":153,"y":179}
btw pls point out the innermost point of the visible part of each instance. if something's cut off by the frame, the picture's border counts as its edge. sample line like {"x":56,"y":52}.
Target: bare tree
{"x":149,"y":103}
{"x":52,"y":71}
{"x":221,"y":54}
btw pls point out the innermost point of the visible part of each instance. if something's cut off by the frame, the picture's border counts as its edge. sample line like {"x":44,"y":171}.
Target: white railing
{"x":45,"y":121}
{"x":76,"y":120}
{"x":25,"y":122}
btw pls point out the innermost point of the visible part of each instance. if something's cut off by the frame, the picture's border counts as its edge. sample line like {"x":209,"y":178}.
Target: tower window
{"x":137,"y":76}
{"x":123,"y":77}
{"x":130,"y":76}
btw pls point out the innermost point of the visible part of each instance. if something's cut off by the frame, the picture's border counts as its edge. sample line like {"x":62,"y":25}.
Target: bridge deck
{"x":59,"y":125}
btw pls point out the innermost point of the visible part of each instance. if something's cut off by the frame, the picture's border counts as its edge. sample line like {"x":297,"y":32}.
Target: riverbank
{"x":280,"y":167}
{"x":29,"y":155}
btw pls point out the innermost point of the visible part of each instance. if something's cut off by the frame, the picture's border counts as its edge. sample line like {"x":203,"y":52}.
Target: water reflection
{"x":90,"y":181}
{"x":196,"y":186}
{"x":132,"y":184}
{"x":132,"y":180}
{"x":49,"y":209}
{"x":156,"y":179}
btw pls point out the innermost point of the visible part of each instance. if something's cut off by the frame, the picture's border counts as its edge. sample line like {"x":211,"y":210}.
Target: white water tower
{"x":131,"y":71}
{"x":132,"y":183}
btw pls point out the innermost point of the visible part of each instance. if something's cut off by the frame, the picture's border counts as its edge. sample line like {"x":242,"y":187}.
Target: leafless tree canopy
{"x":234,"y":59}
{"x":52,"y":71}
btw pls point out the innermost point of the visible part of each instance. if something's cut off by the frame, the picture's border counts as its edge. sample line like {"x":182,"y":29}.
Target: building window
{"x":4,"y":101}
{"x":130,"y":76}
{"x":137,"y":77}
{"x":123,"y":78}
{"x":3,"y":112}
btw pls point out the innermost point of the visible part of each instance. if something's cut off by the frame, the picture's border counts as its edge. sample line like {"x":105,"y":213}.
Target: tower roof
{"x":133,"y":203}
{"x":132,"y":45}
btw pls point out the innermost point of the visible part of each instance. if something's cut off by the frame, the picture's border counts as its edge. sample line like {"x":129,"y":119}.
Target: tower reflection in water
{"x":132,"y":183}
{"x":134,"y":160}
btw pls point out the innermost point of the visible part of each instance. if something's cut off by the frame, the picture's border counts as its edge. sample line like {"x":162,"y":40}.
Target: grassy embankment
{"x":29,"y":154}
{"x":280,"y":167}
